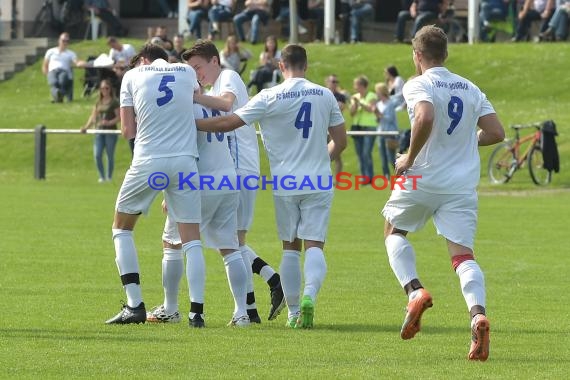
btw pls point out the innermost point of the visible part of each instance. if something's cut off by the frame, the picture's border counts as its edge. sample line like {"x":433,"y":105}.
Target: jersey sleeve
{"x":416,"y":91}
{"x":486,"y":107}
{"x":254,"y":110}
{"x":126,"y":96}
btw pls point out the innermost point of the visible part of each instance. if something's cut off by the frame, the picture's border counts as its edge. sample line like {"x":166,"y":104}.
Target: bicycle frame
{"x":518,"y":142}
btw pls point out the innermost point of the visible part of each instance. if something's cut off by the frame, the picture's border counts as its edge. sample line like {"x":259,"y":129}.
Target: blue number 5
{"x":455,"y":112}
{"x":163,"y":87}
{"x":303,"y":120}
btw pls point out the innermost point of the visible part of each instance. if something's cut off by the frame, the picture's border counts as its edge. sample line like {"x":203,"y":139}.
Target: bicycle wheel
{"x":501,"y":167}
{"x":538,"y":173}
{"x":41,"y":22}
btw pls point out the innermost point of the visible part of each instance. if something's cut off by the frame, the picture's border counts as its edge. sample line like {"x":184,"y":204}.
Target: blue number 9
{"x":455,"y":112}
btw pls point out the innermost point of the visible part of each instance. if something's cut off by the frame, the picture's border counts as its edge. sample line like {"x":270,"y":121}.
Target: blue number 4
{"x":455,"y":112}
{"x":303,"y":120}
{"x":163,"y":87}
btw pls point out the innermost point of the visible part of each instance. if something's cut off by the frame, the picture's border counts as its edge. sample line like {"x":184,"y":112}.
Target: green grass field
{"x":59,"y":282}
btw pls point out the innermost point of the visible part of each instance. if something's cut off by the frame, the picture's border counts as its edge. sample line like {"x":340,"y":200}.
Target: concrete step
{"x":36,"y":42}
{"x":15,"y":55}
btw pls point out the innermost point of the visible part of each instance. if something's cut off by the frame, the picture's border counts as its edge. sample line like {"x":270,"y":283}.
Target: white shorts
{"x":218,"y":227}
{"x":246,"y":208}
{"x":454,"y":215}
{"x":304,"y":216}
{"x":136,"y":194}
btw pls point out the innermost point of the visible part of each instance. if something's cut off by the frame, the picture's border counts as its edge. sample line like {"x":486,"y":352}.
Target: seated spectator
{"x":175,"y":55}
{"x":422,"y":12}
{"x":104,"y":11}
{"x":395,"y":85}
{"x":283,"y":18}
{"x":558,"y":25}
{"x":57,"y":65}
{"x":533,"y":10}
{"x":232,"y":56}
{"x":120,"y":53}
{"x":360,"y":10}
{"x":221,"y":11}
{"x":315,"y":10}
{"x":491,"y":10}
{"x":167,"y":11}
{"x":268,"y":63}
{"x":256,"y":11}
{"x":197,"y":11}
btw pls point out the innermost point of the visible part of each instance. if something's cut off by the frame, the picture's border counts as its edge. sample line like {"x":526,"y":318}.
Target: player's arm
{"x":222,"y":102}
{"x":128,"y":122}
{"x":338,"y":141}
{"x":421,"y":129}
{"x":220,"y":123}
{"x":491,"y":130}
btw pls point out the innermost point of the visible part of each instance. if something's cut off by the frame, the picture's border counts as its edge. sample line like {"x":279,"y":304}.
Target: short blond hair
{"x":382,"y":89}
{"x":431,"y":41}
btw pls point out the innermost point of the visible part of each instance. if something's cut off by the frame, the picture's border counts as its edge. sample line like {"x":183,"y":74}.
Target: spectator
{"x":105,"y":116}
{"x":362,"y":109}
{"x":57,"y":65}
{"x":558,"y":25}
{"x":395,"y":85}
{"x":161,"y":32}
{"x":387,"y":122}
{"x":268,"y":63}
{"x":315,"y":10}
{"x":283,"y":18}
{"x":232,"y":56}
{"x":422,"y":11}
{"x":533,"y":10}
{"x":121,"y":54}
{"x":197,"y":11}
{"x":332,"y":83}
{"x":491,"y":10}
{"x":221,"y":11}
{"x":360,"y":10}
{"x":175,"y":55}
{"x":104,"y":11}
{"x":256,"y":11}
{"x":166,"y":9}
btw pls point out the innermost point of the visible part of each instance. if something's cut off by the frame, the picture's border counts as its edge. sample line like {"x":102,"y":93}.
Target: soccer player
{"x":228,"y":94}
{"x":218,"y":230}
{"x":445,"y":110}
{"x":160,"y":96}
{"x":294,"y":118}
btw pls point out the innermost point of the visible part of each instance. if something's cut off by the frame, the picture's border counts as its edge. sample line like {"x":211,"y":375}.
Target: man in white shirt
{"x":294,"y":119}
{"x":58,"y":66}
{"x":120,"y":53}
{"x":227,"y":95}
{"x":156,"y":108}
{"x":443,"y":161}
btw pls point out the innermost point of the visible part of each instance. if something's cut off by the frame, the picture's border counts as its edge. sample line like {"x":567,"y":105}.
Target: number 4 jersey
{"x":294,"y":118}
{"x":162,"y":95}
{"x":449,"y":161}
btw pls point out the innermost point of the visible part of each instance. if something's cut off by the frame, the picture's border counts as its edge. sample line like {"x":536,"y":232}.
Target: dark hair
{"x":153,"y":52}
{"x":202,"y":48}
{"x":294,"y":57}
{"x":393,"y":71}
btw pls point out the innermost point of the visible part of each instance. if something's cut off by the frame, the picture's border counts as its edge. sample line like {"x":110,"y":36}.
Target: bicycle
{"x":506,"y":159}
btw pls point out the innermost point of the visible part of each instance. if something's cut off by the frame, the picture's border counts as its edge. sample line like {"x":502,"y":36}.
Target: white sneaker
{"x":158,"y":315}
{"x":242,"y":321}
{"x":302,"y":29}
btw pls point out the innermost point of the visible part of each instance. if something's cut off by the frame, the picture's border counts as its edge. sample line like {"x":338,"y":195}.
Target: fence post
{"x":40,"y":152}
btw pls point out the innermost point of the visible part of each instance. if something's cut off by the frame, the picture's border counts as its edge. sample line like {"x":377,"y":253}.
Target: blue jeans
{"x":256,"y":16}
{"x":105,"y":142}
{"x":194,"y":19}
{"x":559,"y":23}
{"x":422,"y":19}
{"x":387,"y":156}
{"x":219,"y":13}
{"x":61,"y":84}
{"x":523,"y":28}
{"x":357,"y":15}
{"x":364,"y":146}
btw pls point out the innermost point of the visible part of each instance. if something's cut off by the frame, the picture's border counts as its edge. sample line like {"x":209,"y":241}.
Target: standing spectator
{"x":103,"y":10}
{"x":256,"y":11}
{"x":197,"y":11}
{"x":156,"y":108}
{"x":120,"y":53}
{"x":395,"y":85}
{"x":268,"y":64}
{"x":232,"y":56}
{"x":221,"y":11}
{"x":105,"y":116}
{"x":57,"y":65}
{"x":387,"y":122}
{"x":332,"y":83}
{"x":362,"y":109}
{"x":558,"y":25}
{"x":302,"y":214}
{"x":533,"y":10}
{"x":445,"y":110}
{"x":175,"y":55}
{"x":422,"y":11}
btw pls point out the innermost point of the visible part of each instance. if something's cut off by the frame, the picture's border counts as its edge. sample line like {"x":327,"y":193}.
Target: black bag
{"x":549,"y":147}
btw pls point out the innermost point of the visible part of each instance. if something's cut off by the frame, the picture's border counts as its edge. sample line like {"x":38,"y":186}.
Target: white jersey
{"x":124,"y":55}
{"x":243,"y":141}
{"x":449,"y":161}
{"x":60,"y":59}
{"x":215,"y":165}
{"x":162,"y":95}
{"x":294,"y":118}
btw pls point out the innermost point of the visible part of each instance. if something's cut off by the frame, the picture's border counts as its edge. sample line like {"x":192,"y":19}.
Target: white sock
{"x":290,"y":272}
{"x":172,"y":271}
{"x":237,"y":279}
{"x":402,"y":258}
{"x":315,"y":271}
{"x":266,"y":272}
{"x":195,"y":270}
{"x":472,"y":283}
{"x":249,"y":273}
{"x":128,"y":264}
